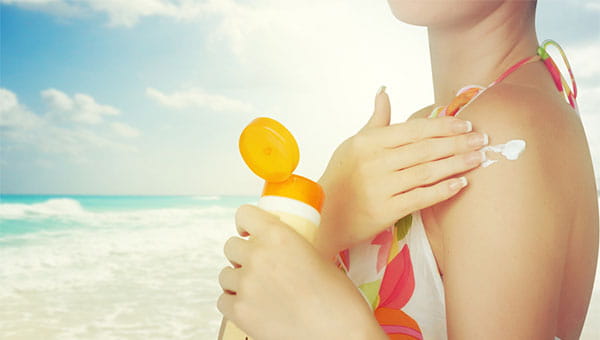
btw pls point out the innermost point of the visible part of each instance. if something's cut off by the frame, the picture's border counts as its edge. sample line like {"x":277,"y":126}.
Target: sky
{"x":148,"y":97}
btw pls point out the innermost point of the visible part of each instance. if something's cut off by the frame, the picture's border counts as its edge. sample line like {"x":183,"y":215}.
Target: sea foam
{"x":52,"y":207}
{"x":134,"y":274}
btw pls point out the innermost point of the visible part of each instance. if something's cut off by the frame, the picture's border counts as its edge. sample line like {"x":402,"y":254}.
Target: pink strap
{"x":515,"y":67}
{"x":559,"y":80}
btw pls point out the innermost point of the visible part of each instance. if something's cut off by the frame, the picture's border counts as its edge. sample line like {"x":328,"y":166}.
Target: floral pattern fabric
{"x":396,"y":271}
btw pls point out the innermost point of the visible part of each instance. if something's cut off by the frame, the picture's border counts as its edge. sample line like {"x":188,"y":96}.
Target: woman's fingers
{"x":228,"y":279}
{"x":236,"y":250}
{"x":382,"y":112}
{"x":423,"y":197}
{"x":431,"y":172}
{"x":252,"y":220}
{"x":433,"y":149}
{"x":417,"y":129}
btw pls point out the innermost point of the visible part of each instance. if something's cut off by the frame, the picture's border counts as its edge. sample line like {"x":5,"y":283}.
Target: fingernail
{"x":458,"y":184}
{"x":381,"y":90}
{"x":475,"y":158}
{"x":462,"y":126}
{"x":469,"y":126}
{"x":483,"y":155}
{"x":478,"y":139}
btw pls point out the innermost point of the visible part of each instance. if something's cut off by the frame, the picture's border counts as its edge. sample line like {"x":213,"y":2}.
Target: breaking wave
{"x":145,"y":273}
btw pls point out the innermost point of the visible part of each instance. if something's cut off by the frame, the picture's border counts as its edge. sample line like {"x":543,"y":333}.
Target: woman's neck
{"x":478,"y":53}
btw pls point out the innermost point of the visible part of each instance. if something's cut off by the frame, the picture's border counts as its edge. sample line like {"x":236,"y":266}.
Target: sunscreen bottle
{"x":271,"y":152}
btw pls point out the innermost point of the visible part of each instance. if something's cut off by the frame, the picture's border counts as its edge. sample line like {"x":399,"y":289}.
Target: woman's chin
{"x":412,"y":12}
{"x":441,"y":12}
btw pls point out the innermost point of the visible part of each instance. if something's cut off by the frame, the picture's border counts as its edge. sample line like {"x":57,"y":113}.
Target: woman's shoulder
{"x":541,"y":123}
{"x":542,"y":119}
{"x":508,"y":225}
{"x":507,"y":110}
{"x":513,"y":220}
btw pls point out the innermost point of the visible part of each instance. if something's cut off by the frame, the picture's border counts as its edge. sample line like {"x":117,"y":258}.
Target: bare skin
{"x":528,"y":228}
{"x":550,"y":195}
{"x":362,"y":178}
{"x":517,"y":247}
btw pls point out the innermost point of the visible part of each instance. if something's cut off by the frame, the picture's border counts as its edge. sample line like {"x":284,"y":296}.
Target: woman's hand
{"x":386,"y":172}
{"x":281,"y":288}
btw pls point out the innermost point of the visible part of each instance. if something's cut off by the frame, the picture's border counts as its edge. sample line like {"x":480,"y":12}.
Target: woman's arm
{"x":505,"y":237}
{"x":375,"y":177}
{"x":281,"y":287}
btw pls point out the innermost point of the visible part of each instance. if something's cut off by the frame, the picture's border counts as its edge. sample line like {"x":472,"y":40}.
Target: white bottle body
{"x":300,"y":216}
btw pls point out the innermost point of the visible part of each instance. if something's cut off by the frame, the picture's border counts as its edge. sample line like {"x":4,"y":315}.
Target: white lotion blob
{"x":511,"y":150}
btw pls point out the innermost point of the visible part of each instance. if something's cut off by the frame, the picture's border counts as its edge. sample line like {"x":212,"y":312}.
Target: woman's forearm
{"x":331,"y":214}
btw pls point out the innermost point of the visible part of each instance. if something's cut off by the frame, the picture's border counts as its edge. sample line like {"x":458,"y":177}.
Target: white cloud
{"x":124,"y":130}
{"x":81,"y":108}
{"x":197,"y":98}
{"x":588,"y":100}
{"x":57,"y":100}
{"x":235,"y":20}
{"x":592,"y":5}
{"x":584,"y":59}
{"x":13,"y":114}
{"x":128,"y":13}
{"x":89,"y":111}
{"x":23,"y":129}
{"x":60,"y":8}
{"x":125,"y":13}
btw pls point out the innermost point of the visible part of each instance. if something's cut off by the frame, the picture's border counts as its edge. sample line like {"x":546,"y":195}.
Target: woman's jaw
{"x":470,"y":41}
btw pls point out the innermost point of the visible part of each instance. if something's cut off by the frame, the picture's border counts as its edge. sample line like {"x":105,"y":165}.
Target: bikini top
{"x":396,"y":271}
{"x":468,"y":93}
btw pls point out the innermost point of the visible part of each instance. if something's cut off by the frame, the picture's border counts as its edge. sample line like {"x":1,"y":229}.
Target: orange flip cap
{"x":271,"y":152}
{"x":269,"y":149}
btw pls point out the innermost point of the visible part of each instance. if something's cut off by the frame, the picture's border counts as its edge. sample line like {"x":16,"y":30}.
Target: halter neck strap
{"x":468,"y":93}
{"x":559,"y":80}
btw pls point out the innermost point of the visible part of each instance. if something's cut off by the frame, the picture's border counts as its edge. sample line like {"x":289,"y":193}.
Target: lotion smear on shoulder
{"x":511,"y":150}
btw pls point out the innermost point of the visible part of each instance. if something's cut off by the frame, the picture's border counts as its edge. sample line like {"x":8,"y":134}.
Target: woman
{"x":510,"y":249}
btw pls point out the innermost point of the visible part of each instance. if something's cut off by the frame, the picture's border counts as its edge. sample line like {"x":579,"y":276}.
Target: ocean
{"x":102,"y":267}
{"x":121,"y":267}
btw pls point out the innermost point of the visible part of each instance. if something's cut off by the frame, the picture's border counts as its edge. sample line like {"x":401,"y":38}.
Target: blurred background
{"x":119,"y":168}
